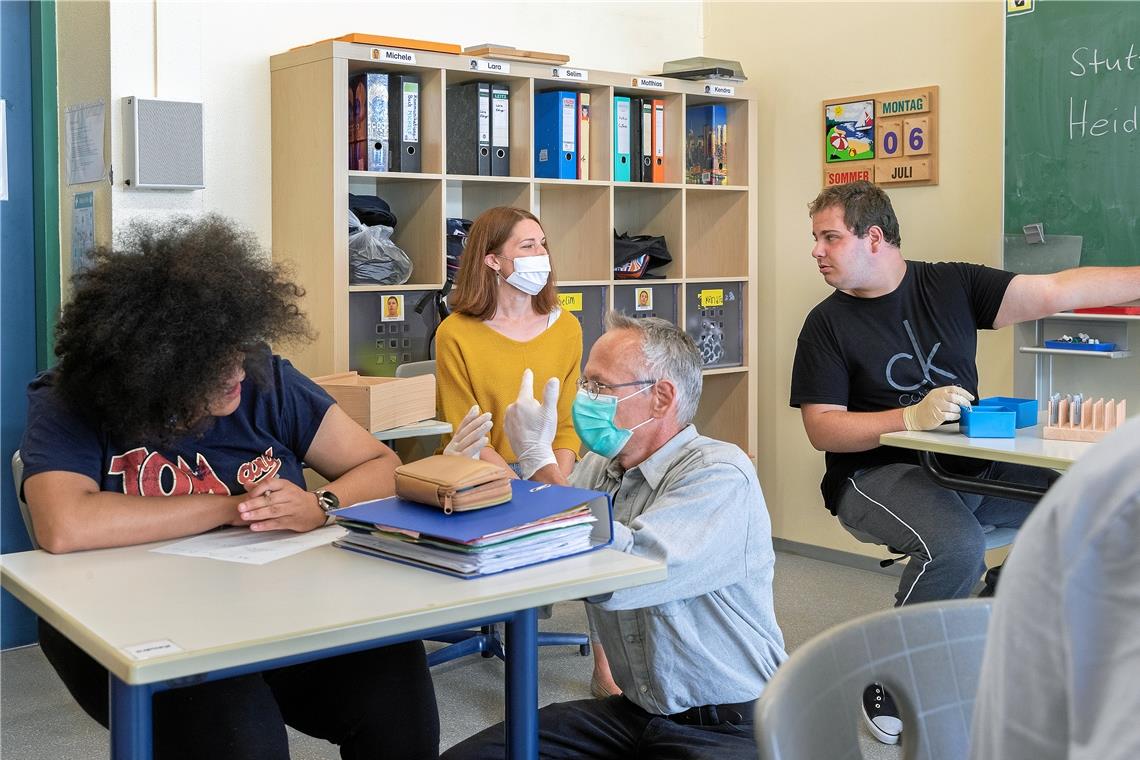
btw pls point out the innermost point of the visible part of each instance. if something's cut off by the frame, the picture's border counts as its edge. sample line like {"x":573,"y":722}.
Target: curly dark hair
{"x":156,"y":325}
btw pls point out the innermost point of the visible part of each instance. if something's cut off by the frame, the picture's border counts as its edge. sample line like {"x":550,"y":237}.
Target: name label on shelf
{"x":570,"y":301}
{"x":579,"y":75}
{"x":711,"y":298}
{"x":652,"y":84}
{"x":719,"y":89}
{"x":393,"y":56}
{"x":483,"y":64}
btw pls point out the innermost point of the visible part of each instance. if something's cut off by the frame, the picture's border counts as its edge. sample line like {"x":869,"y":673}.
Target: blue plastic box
{"x":987,"y":422}
{"x":1026,"y":408}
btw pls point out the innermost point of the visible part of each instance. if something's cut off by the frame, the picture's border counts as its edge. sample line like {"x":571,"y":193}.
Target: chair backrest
{"x":415,"y":369}
{"x":17,"y":478}
{"x":928,"y":657}
{"x":412,"y":449}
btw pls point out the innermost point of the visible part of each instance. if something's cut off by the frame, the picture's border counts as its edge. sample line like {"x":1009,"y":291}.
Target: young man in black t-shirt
{"x":893,"y":348}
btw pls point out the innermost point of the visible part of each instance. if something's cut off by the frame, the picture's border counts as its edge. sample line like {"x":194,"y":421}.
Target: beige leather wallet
{"x":454,"y":483}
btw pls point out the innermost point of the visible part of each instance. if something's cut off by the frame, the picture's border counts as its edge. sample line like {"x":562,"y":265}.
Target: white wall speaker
{"x":162,"y":144}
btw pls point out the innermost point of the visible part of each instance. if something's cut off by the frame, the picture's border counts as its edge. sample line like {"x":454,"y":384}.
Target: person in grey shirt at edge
{"x":1062,"y":654}
{"x":691,"y":653}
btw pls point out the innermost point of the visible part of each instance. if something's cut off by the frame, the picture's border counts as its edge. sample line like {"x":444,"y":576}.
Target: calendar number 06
{"x":916,"y":140}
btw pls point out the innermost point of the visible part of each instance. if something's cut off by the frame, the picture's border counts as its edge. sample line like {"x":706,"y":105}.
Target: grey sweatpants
{"x":939,"y":529}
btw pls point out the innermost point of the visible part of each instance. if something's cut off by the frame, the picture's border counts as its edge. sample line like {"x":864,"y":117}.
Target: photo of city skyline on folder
{"x":540,"y":523}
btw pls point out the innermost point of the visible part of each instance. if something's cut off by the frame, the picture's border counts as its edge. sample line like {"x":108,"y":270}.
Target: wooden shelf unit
{"x":710,"y":231}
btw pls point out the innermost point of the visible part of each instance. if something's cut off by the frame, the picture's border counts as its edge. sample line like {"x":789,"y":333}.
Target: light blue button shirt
{"x":707,"y":634}
{"x":1062,"y":656}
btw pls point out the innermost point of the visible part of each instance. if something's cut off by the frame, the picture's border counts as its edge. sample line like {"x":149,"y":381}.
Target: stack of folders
{"x":479,"y":129}
{"x":706,"y":145}
{"x":540,"y":523}
{"x":384,"y":122}
{"x":639,"y":139}
{"x":562,"y":134}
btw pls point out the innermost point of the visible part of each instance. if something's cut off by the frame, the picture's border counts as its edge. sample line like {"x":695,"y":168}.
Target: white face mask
{"x":531,"y":274}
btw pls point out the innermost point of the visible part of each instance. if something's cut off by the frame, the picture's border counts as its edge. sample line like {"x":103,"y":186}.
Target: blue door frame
{"x":29,"y":253}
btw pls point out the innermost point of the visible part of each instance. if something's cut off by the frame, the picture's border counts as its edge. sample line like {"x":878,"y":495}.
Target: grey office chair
{"x":927,"y":655}
{"x":17,"y":478}
{"x":994,"y":537}
{"x":415,"y":369}
{"x":486,"y":641}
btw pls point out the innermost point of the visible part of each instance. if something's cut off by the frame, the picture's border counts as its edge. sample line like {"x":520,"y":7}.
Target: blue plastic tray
{"x":1080,"y":346}
{"x":987,"y":422}
{"x":1025,"y":408}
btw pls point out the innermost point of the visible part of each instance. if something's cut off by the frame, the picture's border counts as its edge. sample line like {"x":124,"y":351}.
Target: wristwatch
{"x":327,"y":500}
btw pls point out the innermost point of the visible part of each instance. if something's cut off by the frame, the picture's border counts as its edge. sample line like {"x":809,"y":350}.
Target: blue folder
{"x":556,"y":134}
{"x":530,"y":501}
{"x":622,"y":136}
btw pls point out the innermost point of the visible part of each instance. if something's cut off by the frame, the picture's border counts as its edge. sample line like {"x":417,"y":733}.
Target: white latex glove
{"x":940,"y":405}
{"x":530,"y":426}
{"x":471,"y":435}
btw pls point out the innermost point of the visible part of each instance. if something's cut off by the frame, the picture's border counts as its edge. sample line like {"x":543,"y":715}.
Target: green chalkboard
{"x":1072,"y":139}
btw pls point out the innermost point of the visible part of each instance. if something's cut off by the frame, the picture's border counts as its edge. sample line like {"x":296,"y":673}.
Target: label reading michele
{"x":393,"y":56}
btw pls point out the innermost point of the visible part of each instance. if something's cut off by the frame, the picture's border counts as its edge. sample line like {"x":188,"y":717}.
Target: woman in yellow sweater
{"x":505,"y":319}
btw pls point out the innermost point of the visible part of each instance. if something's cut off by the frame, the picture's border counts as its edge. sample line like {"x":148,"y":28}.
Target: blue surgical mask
{"x":594,"y":422}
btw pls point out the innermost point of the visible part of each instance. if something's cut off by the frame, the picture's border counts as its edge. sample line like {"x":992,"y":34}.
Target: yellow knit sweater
{"x":478,"y":365}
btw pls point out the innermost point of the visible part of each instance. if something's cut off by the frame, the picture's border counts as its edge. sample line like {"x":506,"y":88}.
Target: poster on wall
{"x":82,"y":230}
{"x":849,"y":129}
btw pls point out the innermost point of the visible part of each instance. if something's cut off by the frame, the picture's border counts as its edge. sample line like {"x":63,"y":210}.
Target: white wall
{"x":219,"y":52}
{"x":796,"y":55}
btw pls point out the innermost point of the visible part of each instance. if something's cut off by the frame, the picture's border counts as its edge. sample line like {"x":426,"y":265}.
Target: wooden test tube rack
{"x":1098,"y":419}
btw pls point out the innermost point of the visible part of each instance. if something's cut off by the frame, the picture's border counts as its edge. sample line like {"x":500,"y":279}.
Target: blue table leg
{"x":522,"y":685}
{"x":131,"y":729}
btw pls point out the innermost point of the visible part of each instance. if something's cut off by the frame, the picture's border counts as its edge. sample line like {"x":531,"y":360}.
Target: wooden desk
{"x":227,"y":619}
{"x":1026,"y":447}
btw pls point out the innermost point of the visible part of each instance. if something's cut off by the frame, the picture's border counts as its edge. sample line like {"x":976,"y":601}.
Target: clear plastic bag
{"x":373,"y":259}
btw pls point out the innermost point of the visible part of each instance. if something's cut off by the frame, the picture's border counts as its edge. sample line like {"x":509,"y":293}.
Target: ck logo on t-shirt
{"x":925,"y":362}
{"x":148,"y":473}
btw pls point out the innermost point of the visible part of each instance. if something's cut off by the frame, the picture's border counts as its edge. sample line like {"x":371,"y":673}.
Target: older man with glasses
{"x":690,"y":653}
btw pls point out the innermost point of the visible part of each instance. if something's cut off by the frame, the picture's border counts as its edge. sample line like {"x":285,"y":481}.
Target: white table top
{"x":224,"y":614}
{"x":1027,"y":447}
{"x":423,"y":427}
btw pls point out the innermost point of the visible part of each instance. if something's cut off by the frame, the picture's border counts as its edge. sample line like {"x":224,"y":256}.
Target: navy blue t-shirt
{"x":874,"y":354}
{"x":266,"y":437}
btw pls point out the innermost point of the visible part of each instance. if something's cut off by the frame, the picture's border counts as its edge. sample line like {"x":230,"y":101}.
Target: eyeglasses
{"x":593,"y":387}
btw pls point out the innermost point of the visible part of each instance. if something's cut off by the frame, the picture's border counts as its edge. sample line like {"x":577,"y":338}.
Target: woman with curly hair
{"x":168,"y":415}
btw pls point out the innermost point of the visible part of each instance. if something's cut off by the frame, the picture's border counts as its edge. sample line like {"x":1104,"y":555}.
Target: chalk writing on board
{"x":1100,"y":121}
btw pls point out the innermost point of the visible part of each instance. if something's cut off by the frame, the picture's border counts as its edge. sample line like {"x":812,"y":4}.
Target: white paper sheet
{"x":249,"y":547}
{"x":84,"y":128}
